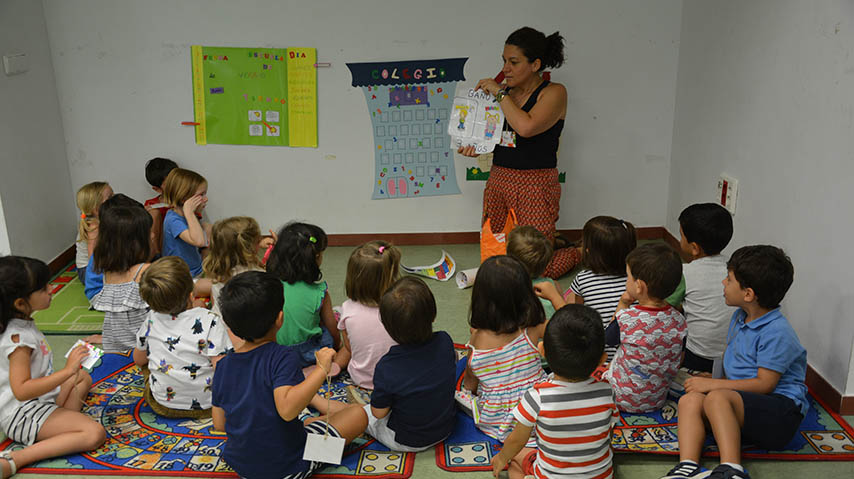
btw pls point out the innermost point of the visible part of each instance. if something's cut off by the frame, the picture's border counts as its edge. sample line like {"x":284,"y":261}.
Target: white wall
{"x":123,"y":76}
{"x":38,"y":204}
{"x":764,"y":93}
{"x":5,"y":247}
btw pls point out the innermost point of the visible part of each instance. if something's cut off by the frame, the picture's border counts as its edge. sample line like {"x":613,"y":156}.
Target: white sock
{"x":689,"y":461}
{"x":734,"y":466}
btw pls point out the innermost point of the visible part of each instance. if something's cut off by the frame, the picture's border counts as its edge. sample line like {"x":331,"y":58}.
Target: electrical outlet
{"x":727,"y":193}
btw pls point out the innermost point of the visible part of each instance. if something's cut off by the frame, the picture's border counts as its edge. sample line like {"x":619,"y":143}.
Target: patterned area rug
{"x":69,"y":311}
{"x":141,"y":443}
{"x":823,"y":436}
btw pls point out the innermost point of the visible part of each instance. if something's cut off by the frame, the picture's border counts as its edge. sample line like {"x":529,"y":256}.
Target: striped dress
{"x":573,"y":427}
{"x":505,"y":374}
{"x":124,"y":311}
{"x":601,"y":292}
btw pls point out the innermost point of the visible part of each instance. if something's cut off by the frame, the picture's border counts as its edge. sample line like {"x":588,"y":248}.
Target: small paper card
{"x":322,"y":448}
{"x":93,"y":357}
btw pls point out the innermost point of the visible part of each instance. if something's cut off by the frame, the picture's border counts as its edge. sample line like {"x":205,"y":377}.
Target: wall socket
{"x":727,"y":193}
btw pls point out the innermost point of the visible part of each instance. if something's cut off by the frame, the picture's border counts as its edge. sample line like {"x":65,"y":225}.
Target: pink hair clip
{"x":381,"y":249}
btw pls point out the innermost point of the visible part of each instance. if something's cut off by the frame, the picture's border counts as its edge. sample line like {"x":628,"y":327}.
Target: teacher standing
{"x":524,"y":174}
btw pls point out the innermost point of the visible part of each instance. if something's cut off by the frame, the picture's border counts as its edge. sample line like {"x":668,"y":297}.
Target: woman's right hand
{"x":467,"y":151}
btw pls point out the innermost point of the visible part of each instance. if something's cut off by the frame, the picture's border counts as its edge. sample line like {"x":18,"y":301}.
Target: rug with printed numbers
{"x":823,"y":436}
{"x":141,"y":443}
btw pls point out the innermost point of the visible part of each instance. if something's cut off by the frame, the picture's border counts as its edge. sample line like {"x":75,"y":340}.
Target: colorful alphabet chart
{"x":476,"y":119}
{"x":255,"y":96}
{"x":410,"y":103}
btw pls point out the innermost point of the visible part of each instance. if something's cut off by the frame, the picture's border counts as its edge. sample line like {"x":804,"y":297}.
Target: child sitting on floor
{"x":90,"y":197}
{"x":412,"y":406}
{"x":704,"y":229}
{"x":507,"y":321}
{"x":309,"y":323}
{"x":763,"y":399}
{"x":534,"y":251}
{"x":649,"y":333}
{"x":573,"y":413}
{"x":156,"y":171}
{"x":259,"y":390}
{"x":371,"y":269}
{"x":178,"y":342}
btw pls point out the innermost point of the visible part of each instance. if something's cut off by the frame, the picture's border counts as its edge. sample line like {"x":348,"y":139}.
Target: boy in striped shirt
{"x":573,"y":412}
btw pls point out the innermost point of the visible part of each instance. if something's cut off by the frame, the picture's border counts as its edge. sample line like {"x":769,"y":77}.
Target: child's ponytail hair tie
{"x":624,"y":224}
{"x":82,"y":216}
{"x":381,"y":249}
{"x":312,"y":239}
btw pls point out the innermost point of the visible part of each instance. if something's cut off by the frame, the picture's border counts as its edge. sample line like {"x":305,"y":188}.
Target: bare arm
{"x":380,"y":413}
{"x":550,"y":107}
{"x":548,"y":291}
{"x":514,"y":443}
{"x":194,"y":234}
{"x":291,"y":400}
{"x":764,"y":383}
{"x":140,"y":358}
{"x":218,"y":416}
{"x":327,"y":317}
{"x":25,"y":387}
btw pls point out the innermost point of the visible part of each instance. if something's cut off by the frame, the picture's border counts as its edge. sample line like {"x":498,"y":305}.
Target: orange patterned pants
{"x":534,"y":195}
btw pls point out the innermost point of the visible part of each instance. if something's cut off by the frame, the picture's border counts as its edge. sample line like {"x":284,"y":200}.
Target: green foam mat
{"x":69,"y":311}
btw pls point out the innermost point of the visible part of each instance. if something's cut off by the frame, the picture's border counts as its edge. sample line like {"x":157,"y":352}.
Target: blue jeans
{"x":306,"y":349}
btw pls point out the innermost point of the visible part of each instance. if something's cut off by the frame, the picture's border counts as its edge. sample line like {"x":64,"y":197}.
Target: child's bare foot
{"x":94,"y":339}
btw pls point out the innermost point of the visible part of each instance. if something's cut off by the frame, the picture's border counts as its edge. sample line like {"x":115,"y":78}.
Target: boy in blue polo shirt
{"x":762,"y":401}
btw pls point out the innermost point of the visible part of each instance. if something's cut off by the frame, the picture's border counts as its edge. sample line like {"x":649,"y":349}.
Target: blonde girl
{"x":186,"y":193}
{"x":371,"y":270}
{"x":39,"y":408}
{"x":89,"y":199}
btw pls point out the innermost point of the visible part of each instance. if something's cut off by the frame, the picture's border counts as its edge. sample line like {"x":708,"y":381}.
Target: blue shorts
{"x":306,"y":349}
{"x":770,"y":420}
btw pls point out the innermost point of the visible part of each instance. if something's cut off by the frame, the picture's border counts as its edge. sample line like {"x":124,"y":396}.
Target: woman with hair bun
{"x":524,"y":174}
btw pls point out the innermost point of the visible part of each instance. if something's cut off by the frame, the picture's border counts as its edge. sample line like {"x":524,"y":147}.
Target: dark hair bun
{"x":535,"y":44}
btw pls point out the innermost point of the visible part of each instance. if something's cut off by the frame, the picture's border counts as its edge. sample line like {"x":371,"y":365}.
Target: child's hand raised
{"x":192,"y":204}
{"x":547,"y":290}
{"x":268,"y":241}
{"x":323,"y":359}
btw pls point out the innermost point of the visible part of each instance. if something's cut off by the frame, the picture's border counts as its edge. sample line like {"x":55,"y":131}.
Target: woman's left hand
{"x":489,"y":86}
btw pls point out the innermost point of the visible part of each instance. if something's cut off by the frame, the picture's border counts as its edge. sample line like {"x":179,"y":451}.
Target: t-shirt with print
{"x":648,"y":357}
{"x":573,"y":426}
{"x":173,"y":225}
{"x":301,"y":312}
{"x":260,"y":443}
{"x":179,"y":350}
{"x":417,"y":382}
{"x":41,"y":363}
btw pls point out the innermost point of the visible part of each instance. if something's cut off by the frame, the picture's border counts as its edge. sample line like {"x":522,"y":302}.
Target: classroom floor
{"x":453,"y":306}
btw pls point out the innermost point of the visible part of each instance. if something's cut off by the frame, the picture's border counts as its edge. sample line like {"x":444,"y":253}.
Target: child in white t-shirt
{"x":179,"y":345}
{"x":705,"y":230}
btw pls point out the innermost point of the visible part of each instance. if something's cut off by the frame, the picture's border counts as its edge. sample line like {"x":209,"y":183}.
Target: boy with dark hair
{"x":763,"y":398}
{"x":534,"y":251}
{"x":412,"y":406}
{"x":259,"y":390}
{"x":156,"y":170}
{"x":649,"y":333}
{"x":573,"y":413}
{"x":704,"y":229}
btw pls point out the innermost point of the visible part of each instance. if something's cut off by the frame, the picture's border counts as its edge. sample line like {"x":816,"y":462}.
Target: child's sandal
{"x":13,"y":468}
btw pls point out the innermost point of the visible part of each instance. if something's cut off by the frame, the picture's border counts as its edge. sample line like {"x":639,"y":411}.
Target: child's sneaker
{"x":686,"y":469}
{"x":725,"y":471}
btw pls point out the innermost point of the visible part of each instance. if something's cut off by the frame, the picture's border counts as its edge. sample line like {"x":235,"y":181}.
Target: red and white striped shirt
{"x":573,"y":427}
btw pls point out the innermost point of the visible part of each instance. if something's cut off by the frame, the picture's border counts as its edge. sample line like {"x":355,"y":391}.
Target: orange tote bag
{"x":494,"y":244}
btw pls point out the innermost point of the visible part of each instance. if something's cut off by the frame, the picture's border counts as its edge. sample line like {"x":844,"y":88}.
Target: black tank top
{"x":536,"y":152}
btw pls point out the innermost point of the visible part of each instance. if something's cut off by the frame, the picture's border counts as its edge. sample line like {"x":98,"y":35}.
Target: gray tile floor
{"x":453,"y":307}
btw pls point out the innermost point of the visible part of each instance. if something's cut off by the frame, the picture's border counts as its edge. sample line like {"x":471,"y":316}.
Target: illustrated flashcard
{"x":410,"y":104}
{"x":93,"y":357}
{"x":441,"y":270}
{"x":476,"y":119}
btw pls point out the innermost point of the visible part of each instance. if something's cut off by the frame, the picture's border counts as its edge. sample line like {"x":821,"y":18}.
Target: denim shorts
{"x":307,"y":348}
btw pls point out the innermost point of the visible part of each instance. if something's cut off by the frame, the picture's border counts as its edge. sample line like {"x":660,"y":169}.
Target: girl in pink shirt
{"x":372,"y":268}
